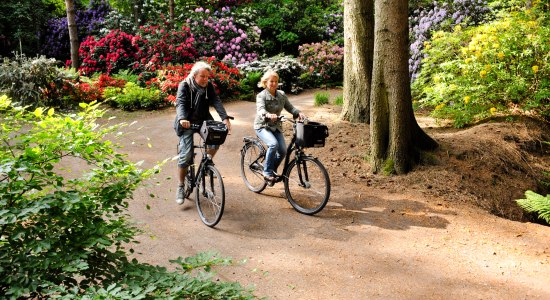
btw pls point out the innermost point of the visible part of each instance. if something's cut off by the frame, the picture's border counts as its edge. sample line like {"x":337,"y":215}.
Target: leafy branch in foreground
{"x":64,"y":226}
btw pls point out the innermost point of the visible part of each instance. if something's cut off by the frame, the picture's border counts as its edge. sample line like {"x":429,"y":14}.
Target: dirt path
{"x":368,"y":243}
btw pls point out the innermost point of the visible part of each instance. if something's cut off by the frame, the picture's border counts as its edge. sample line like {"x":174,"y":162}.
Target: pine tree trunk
{"x":73,"y":33}
{"x":358,"y":49}
{"x":395,"y":134}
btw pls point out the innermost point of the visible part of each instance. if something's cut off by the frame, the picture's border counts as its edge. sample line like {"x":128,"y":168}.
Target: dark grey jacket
{"x":194,"y":105}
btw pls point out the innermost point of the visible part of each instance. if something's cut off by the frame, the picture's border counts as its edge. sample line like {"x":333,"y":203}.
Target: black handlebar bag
{"x":213,"y":132}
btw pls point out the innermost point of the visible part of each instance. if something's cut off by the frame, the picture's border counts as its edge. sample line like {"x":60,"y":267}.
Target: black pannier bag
{"x":213,"y":132}
{"x":312,"y":134}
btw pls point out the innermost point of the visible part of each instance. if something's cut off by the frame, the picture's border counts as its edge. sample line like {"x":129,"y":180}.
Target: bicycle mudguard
{"x":250,"y":139}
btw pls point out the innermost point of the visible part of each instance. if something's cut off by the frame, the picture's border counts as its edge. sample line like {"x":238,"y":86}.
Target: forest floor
{"x":449,"y":229}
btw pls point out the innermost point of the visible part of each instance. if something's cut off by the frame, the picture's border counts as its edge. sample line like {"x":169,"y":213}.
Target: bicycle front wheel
{"x":307,"y":185}
{"x":210,"y":196}
{"x":252,"y":167}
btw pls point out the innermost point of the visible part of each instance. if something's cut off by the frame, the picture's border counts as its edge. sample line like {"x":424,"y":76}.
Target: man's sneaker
{"x":180,"y":194}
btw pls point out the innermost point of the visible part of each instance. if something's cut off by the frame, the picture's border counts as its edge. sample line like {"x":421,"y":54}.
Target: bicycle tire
{"x":210,"y":196}
{"x":189,"y":182}
{"x":309,"y":195}
{"x":252,"y":167}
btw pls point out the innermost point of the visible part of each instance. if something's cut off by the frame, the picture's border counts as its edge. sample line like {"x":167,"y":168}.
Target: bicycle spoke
{"x":210,"y":196}
{"x":251,"y":167}
{"x":311,"y":196}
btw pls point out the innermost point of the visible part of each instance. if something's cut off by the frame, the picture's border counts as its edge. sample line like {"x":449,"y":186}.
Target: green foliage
{"x":249,"y":85}
{"x":536,"y":203}
{"x":321,"y":99}
{"x":65,"y":232}
{"x":20,"y":22}
{"x":389,"y":167}
{"x":500,"y":67}
{"x":133,"y":97}
{"x":31,"y":81}
{"x":339,"y":100}
{"x":287,"y":24}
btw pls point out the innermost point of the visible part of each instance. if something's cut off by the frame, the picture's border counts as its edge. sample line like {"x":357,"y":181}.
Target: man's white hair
{"x":200,"y":65}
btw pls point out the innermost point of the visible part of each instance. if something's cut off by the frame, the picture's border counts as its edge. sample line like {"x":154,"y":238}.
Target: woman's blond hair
{"x":267,"y":75}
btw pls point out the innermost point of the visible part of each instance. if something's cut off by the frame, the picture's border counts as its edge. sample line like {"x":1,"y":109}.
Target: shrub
{"x":288,"y":68}
{"x":114,"y":52}
{"x":32,"y":81}
{"x":160,"y":47}
{"x":70,"y":237}
{"x":323,"y":61}
{"x":502,"y":66}
{"x":321,"y":99}
{"x":249,"y":85}
{"x":221,"y":35}
{"x":444,"y":16}
{"x":224,"y":78}
{"x":133,"y":97}
{"x":89,"y":22}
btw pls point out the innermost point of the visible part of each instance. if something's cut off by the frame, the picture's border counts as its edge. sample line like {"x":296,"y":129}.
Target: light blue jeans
{"x":276,"y":149}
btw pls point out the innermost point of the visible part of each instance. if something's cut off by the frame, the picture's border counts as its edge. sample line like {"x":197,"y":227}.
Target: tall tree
{"x":73,"y":32}
{"x":395,"y":135}
{"x":358,"y":52}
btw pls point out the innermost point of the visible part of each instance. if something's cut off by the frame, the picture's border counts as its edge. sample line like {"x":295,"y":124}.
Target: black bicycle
{"x":307,"y":184}
{"x":207,"y":180}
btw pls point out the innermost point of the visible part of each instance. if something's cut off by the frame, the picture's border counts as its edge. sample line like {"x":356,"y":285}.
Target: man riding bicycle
{"x":194,"y":97}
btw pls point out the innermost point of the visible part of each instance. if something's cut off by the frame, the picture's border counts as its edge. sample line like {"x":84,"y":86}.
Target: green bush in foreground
{"x":65,"y":233}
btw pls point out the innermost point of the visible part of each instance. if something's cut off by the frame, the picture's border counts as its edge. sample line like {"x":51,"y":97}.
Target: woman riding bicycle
{"x":194,"y":98}
{"x":269,"y":105}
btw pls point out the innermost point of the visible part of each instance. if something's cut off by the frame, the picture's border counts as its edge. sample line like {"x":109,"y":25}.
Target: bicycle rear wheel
{"x":307,"y":185}
{"x":252,"y":167}
{"x":210,"y":196}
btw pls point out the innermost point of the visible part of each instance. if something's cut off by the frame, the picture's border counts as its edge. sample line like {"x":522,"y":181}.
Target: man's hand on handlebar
{"x":228,"y":124}
{"x":185,"y":124}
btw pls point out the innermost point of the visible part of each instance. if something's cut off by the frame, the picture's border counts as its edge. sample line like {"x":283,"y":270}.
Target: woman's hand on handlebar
{"x":185,"y":124}
{"x":272,"y":117}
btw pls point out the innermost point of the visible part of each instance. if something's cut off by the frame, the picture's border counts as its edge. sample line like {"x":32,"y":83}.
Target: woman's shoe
{"x":270,"y":179}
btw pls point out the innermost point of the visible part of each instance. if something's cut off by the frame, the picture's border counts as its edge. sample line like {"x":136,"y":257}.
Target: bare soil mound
{"x":488,"y":165}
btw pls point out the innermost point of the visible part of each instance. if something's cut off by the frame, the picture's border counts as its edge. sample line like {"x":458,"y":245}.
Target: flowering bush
{"x":288,"y":68}
{"x":88,"y":21}
{"x":502,"y":66}
{"x":219,"y":34}
{"x":441,"y":17}
{"x":323,"y":61}
{"x":224,"y":78}
{"x":164,"y":46}
{"x":116,"y":51}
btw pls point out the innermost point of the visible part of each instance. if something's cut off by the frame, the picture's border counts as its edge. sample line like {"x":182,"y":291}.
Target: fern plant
{"x":536,"y":203}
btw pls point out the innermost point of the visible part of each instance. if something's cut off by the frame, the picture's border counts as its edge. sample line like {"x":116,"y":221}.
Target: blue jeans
{"x":276,"y":149}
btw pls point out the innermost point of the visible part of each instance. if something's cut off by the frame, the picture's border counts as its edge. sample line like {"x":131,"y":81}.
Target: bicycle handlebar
{"x":283,"y":118}
{"x":197,"y":127}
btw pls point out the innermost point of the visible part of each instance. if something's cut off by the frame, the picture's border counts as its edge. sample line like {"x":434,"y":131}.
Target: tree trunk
{"x":171,"y":5}
{"x":73,"y":33}
{"x":358,"y":52}
{"x":396,"y":137}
